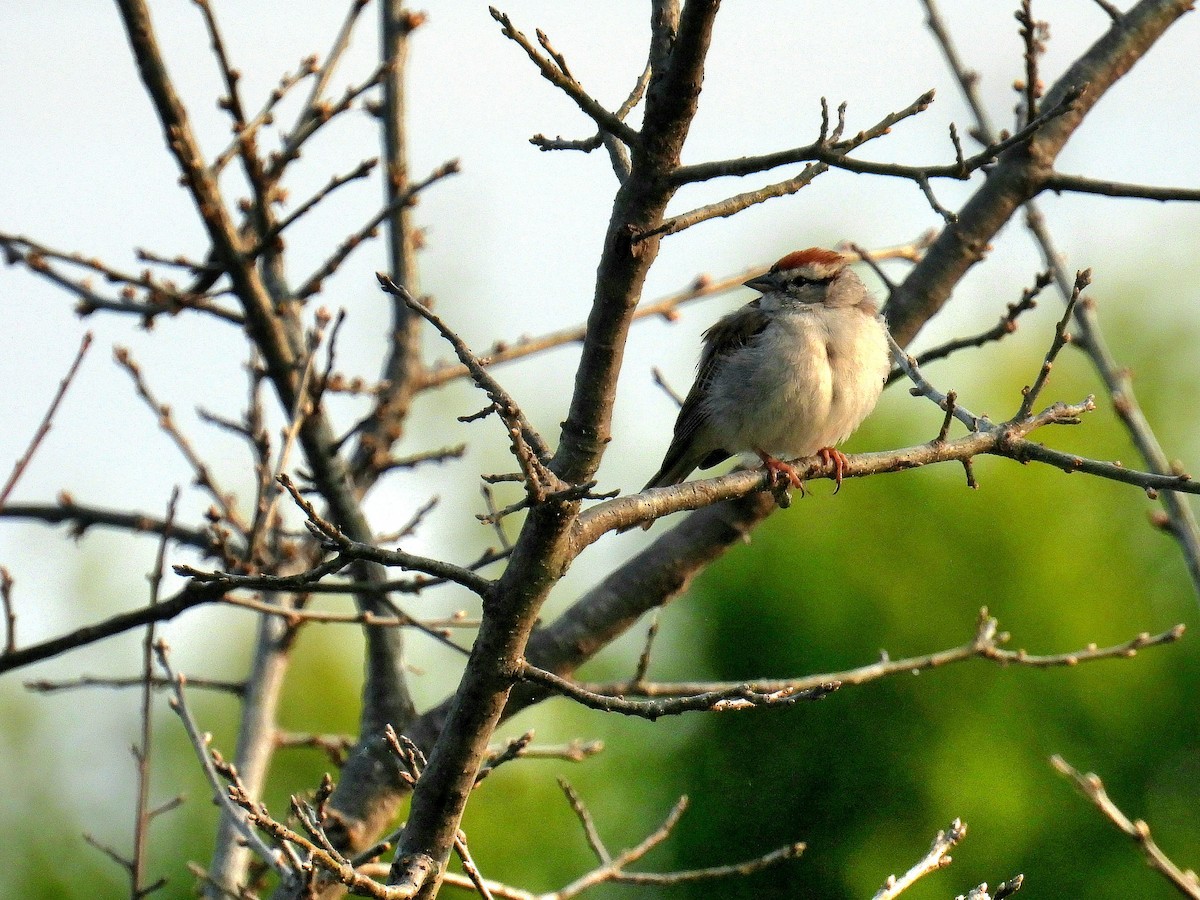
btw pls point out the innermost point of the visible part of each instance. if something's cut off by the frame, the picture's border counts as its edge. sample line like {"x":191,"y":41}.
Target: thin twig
{"x":736,"y":697}
{"x":316,"y":280}
{"x":441,"y":454}
{"x":1061,"y":339}
{"x":987,"y":644}
{"x":1032,"y":36}
{"x":468,"y":864}
{"x":1184,"y":881}
{"x":529,"y":448}
{"x":10,"y":615}
{"x":1006,"y":326}
{"x":304,"y":405}
{"x":82,"y":517}
{"x":938,"y":857}
{"x":44,"y":427}
{"x":562,"y":79}
{"x":200,"y":743}
{"x":643,"y":663}
{"x":46,"y":686}
{"x":141,"y":752}
{"x":166,"y":421}
{"x":265,"y":116}
{"x":586,"y":822}
{"x":362,"y":170}
{"x":341,"y":43}
{"x":311,"y":121}
{"x":822,"y":156}
{"x":160,"y":296}
{"x":1059,"y":182}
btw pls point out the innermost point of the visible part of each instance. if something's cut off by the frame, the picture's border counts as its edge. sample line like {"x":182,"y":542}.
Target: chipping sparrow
{"x":788,"y":375}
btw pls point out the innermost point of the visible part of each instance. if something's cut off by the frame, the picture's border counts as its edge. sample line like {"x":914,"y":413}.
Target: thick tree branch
{"x":1022,"y":171}
{"x":273,"y":323}
{"x":1117,"y":379}
{"x":540,"y":553}
{"x":403,"y":366}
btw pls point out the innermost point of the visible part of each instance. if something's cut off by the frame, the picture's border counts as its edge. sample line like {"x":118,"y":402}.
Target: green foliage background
{"x":900,"y":563}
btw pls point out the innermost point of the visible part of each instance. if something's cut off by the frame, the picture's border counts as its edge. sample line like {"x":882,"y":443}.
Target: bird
{"x":790,"y":374}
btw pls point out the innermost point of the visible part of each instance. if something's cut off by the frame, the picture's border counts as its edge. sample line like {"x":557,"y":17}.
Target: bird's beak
{"x":764,"y":283}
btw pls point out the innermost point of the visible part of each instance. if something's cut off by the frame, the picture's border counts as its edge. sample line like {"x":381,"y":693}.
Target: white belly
{"x":805,"y":382}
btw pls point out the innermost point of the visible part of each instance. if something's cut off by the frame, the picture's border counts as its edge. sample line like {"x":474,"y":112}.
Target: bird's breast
{"x":804,"y":382}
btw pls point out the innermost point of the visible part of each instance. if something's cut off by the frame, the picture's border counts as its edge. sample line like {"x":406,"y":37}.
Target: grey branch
{"x":938,"y":857}
{"x":1184,"y":881}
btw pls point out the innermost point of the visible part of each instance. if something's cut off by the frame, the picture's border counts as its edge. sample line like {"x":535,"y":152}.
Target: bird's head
{"x":803,"y":276}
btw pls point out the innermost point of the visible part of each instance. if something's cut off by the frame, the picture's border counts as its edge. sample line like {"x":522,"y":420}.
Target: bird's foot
{"x":781,"y":473}
{"x":838,"y":459}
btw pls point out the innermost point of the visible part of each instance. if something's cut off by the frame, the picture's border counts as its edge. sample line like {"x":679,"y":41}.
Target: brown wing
{"x":727,"y":335}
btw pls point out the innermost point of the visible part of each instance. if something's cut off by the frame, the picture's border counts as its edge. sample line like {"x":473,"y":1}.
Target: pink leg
{"x":777,"y":468}
{"x":838,"y":459}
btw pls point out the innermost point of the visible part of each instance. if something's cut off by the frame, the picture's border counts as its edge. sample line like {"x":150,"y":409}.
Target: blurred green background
{"x":900,"y":563}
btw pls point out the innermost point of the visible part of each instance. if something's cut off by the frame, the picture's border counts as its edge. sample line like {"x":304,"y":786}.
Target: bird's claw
{"x":779,"y":472}
{"x":838,"y":460}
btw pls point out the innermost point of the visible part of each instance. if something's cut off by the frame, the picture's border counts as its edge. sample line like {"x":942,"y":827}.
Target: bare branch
{"x":1079,"y":184}
{"x":200,"y":743}
{"x":1185,"y":882}
{"x":586,"y":822}
{"x":265,"y":116}
{"x":341,"y":43}
{"x":362,"y":170}
{"x":968,"y":79}
{"x":236,"y":688}
{"x":732,"y":205}
{"x":612,"y":869}
{"x":316,"y":280}
{"x":1006,"y":326}
{"x":617,"y":151}
{"x":118,"y":624}
{"x":826,"y":145}
{"x":938,"y":857}
{"x":987,"y":644}
{"x":529,"y":448}
{"x":523,"y":748}
{"x":204,"y":476}
{"x":10,"y":615}
{"x":824,"y":157}
{"x":1061,"y":337}
{"x":1182,"y":520}
{"x":159,"y":297}
{"x":558,"y":75}
{"x":44,"y":427}
{"x":312,"y":120}
{"x":82,"y":517}
{"x":1033,"y":36}
{"x":1019,"y":173}
{"x":738,"y":697}
{"x":141,"y":752}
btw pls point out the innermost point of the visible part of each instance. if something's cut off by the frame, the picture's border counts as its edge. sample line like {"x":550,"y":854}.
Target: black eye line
{"x":800,"y":279}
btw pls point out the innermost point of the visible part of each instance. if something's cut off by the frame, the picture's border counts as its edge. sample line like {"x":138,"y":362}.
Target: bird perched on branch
{"x":790,"y":374}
